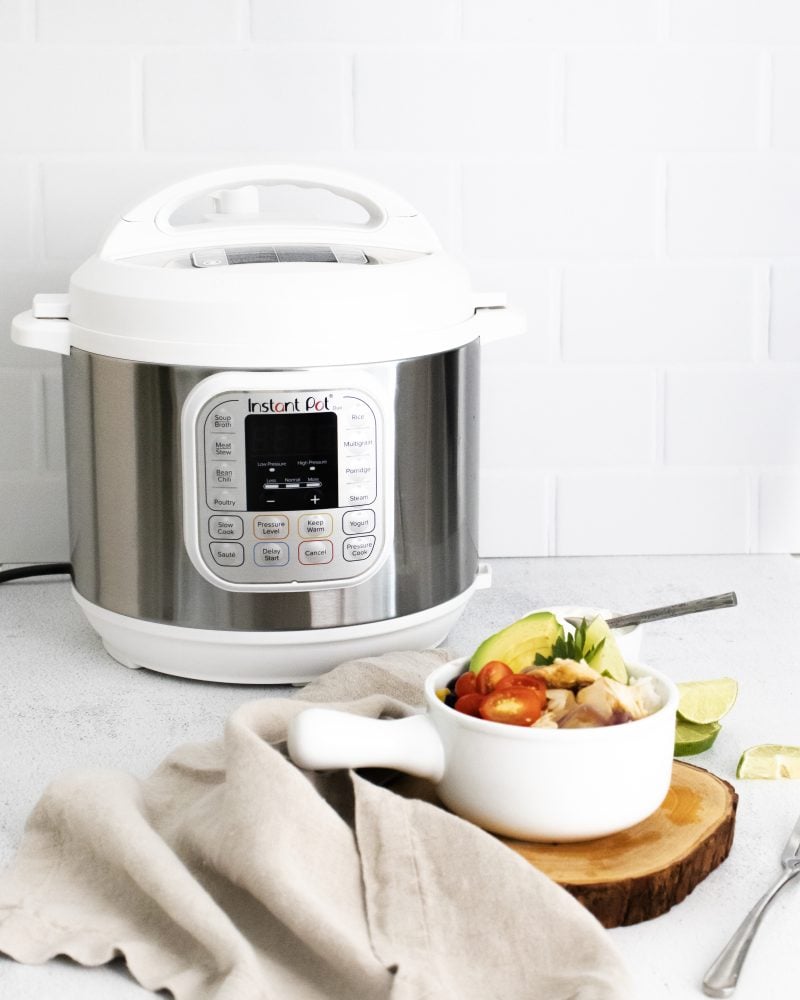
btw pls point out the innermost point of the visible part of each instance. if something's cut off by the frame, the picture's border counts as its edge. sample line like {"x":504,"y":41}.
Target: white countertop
{"x":66,"y":703}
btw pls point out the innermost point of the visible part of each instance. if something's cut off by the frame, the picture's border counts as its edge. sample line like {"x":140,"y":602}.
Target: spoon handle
{"x":675,"y":610}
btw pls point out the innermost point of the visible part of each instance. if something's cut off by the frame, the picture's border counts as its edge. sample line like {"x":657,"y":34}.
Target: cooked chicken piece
{"x":559,"y":702}
{"x":583,"y":717}
{"x":617,"y":702}
{"x":546,"y":721}
{"x":564,"y":674}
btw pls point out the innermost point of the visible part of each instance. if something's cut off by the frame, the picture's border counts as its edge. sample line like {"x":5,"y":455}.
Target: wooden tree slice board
{"x":642,"y":872}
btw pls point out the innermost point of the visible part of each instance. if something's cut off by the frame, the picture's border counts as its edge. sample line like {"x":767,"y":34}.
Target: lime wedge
{"x":694,"y":737}
{"x":609,"y":659}
{"x":769,"y":760}
{"x":707,"y":701}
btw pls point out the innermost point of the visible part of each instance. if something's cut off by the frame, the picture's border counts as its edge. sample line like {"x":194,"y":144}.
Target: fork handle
{"x":722,"y":977}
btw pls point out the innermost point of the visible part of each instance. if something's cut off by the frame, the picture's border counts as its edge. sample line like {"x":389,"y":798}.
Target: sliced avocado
{"x":518,"y":644}
{"x":605,"y":656}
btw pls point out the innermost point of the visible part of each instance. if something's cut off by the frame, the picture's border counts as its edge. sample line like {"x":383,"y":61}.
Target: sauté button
{"x":227,"y":553}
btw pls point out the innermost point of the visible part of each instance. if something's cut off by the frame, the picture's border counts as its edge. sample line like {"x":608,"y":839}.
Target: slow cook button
{"x":313,"y":553}
{"x":356,"y":549}
{"x":316,"y":525}
{"x":271,"y":554}
{"x":358,"y":522}
{"x":224,"y":500}
{"x":271,"y":526}
{"x":227,"y":553}
{"x":222,"y":526}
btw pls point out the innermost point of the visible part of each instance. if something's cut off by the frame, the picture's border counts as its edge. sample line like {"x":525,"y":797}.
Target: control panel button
{"x":271,"y":554}
{"x":358,"y":443}
{"x":358,"y":522}
{"x":358,"y":416}
{"x":219,"y":446}
{"x":358,"y":471}
{"x":271,"y":526}
{"x":316,"y":525}
{"x":314,"y":553}
{"x":221,"y":474}
{"x":355,"y":496}
{"x":227,"y":553}
{"x":356,"y":549}
{"x":225,"y":526}
{"x":225,"y":500}
{"x":220,"y":420}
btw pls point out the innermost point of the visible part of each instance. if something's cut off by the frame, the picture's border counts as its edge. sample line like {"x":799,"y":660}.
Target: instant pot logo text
{"x":308,"y":404}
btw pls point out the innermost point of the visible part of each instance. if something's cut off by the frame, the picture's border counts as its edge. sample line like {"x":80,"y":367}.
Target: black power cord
{"x":39,"y":569}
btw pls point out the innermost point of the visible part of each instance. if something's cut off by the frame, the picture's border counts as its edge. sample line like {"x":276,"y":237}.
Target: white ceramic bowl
{"x":532,"y":784}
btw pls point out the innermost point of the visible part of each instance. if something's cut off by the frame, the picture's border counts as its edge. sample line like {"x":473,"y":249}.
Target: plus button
{"x":315,"y":499}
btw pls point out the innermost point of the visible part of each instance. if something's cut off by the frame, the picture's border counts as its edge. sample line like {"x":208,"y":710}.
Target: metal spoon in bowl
{"x":669,"y":611}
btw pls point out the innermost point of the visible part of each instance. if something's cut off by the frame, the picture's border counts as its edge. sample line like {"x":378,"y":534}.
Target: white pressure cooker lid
{"x":237,"y":289}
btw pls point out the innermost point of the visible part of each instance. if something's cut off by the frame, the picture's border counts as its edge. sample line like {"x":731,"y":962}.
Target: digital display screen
{"x":291,"y":461}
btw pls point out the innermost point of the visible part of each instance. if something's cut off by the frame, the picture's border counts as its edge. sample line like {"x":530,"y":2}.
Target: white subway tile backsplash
{"x":733,"y":206}
{"x":73,"y":99}
{"x":352,"y":22}
{"x":453,"y":99}
{"x":747,"y":21}
{"x":13,"y":19}
{"x":779,"y":512}
{"x":673,"y":98}
{"x":560,"y":206}
{"x":20,"y":413}
{"x":16,"y":205}
{"x":559,"y":21}
{"x":148,"y":22}
{"x":34,"y":517}
{"x":514,"y":514}
{"x":784,"y":327}
{"x":733,"y":417}
{"x":565,"y":417}
{"x":651,"y":512}
{"x":785,"y":99}
{"x":210,"y":100}
{"x":657,"y":313}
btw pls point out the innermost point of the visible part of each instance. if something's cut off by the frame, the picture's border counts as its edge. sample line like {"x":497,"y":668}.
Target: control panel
{"x":288,"y":486}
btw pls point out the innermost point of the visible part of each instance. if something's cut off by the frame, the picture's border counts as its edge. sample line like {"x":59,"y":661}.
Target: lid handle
{"x":146,"y":228}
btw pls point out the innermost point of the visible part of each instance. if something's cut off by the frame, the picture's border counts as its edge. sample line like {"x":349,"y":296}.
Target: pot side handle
{"x":322,"y":739}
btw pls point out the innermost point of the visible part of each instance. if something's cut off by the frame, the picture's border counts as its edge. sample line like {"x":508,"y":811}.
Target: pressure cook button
{"x":316,"y":525}
{"x":271,"y":526}
{"x":227,"y":553}
{"x":225,"y":526}
{"x":358,"y":522}
{"x":313,"y":553}
{"x":356,"y":549}
{"x":271,"y":554}
{"x":224,"y":500}
{"x":220,"y":420}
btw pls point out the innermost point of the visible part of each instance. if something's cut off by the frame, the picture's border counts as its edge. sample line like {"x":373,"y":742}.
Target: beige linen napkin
{"x":229,"y":874}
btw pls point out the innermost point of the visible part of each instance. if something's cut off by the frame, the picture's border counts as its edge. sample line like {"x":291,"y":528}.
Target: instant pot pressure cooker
{"x":272,"y":430}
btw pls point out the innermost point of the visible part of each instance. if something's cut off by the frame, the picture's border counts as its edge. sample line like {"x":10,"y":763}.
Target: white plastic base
{"x":267,"y":657}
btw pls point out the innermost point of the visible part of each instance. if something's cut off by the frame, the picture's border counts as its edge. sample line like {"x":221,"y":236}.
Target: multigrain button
{"x":314,"y":553}
{"x":358,"y":522}
{"x":271,"y":526}
{"x":271,"y":554}
{"x":359,"y":443}
{"x":316,"y":525}
{"x":225,"y":526}
{"x":227,"y":553}
{"x":356,"y":549}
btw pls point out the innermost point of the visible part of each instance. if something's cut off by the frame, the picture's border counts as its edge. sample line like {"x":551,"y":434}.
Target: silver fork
{"x":721,"y":978}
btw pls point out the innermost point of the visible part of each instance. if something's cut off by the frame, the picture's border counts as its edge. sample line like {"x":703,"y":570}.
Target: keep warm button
{"x":314,"y":553}
{"x":356,"y":549}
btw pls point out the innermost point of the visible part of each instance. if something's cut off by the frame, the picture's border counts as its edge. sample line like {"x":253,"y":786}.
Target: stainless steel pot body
{"x":125,"y":498}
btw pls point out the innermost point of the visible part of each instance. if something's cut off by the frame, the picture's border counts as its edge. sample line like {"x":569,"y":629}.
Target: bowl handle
{"x":321,"y":739}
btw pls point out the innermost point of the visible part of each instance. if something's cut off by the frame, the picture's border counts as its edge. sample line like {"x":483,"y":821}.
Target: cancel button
{"x":356,"y":549}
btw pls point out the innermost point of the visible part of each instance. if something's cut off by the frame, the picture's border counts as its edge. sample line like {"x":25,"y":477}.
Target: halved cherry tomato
{"x":490,"y":673}
{"x":518,"y":706}
{"x":469,"y":703}
{"x":466,"y":684}
{"x":524,"y":681}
